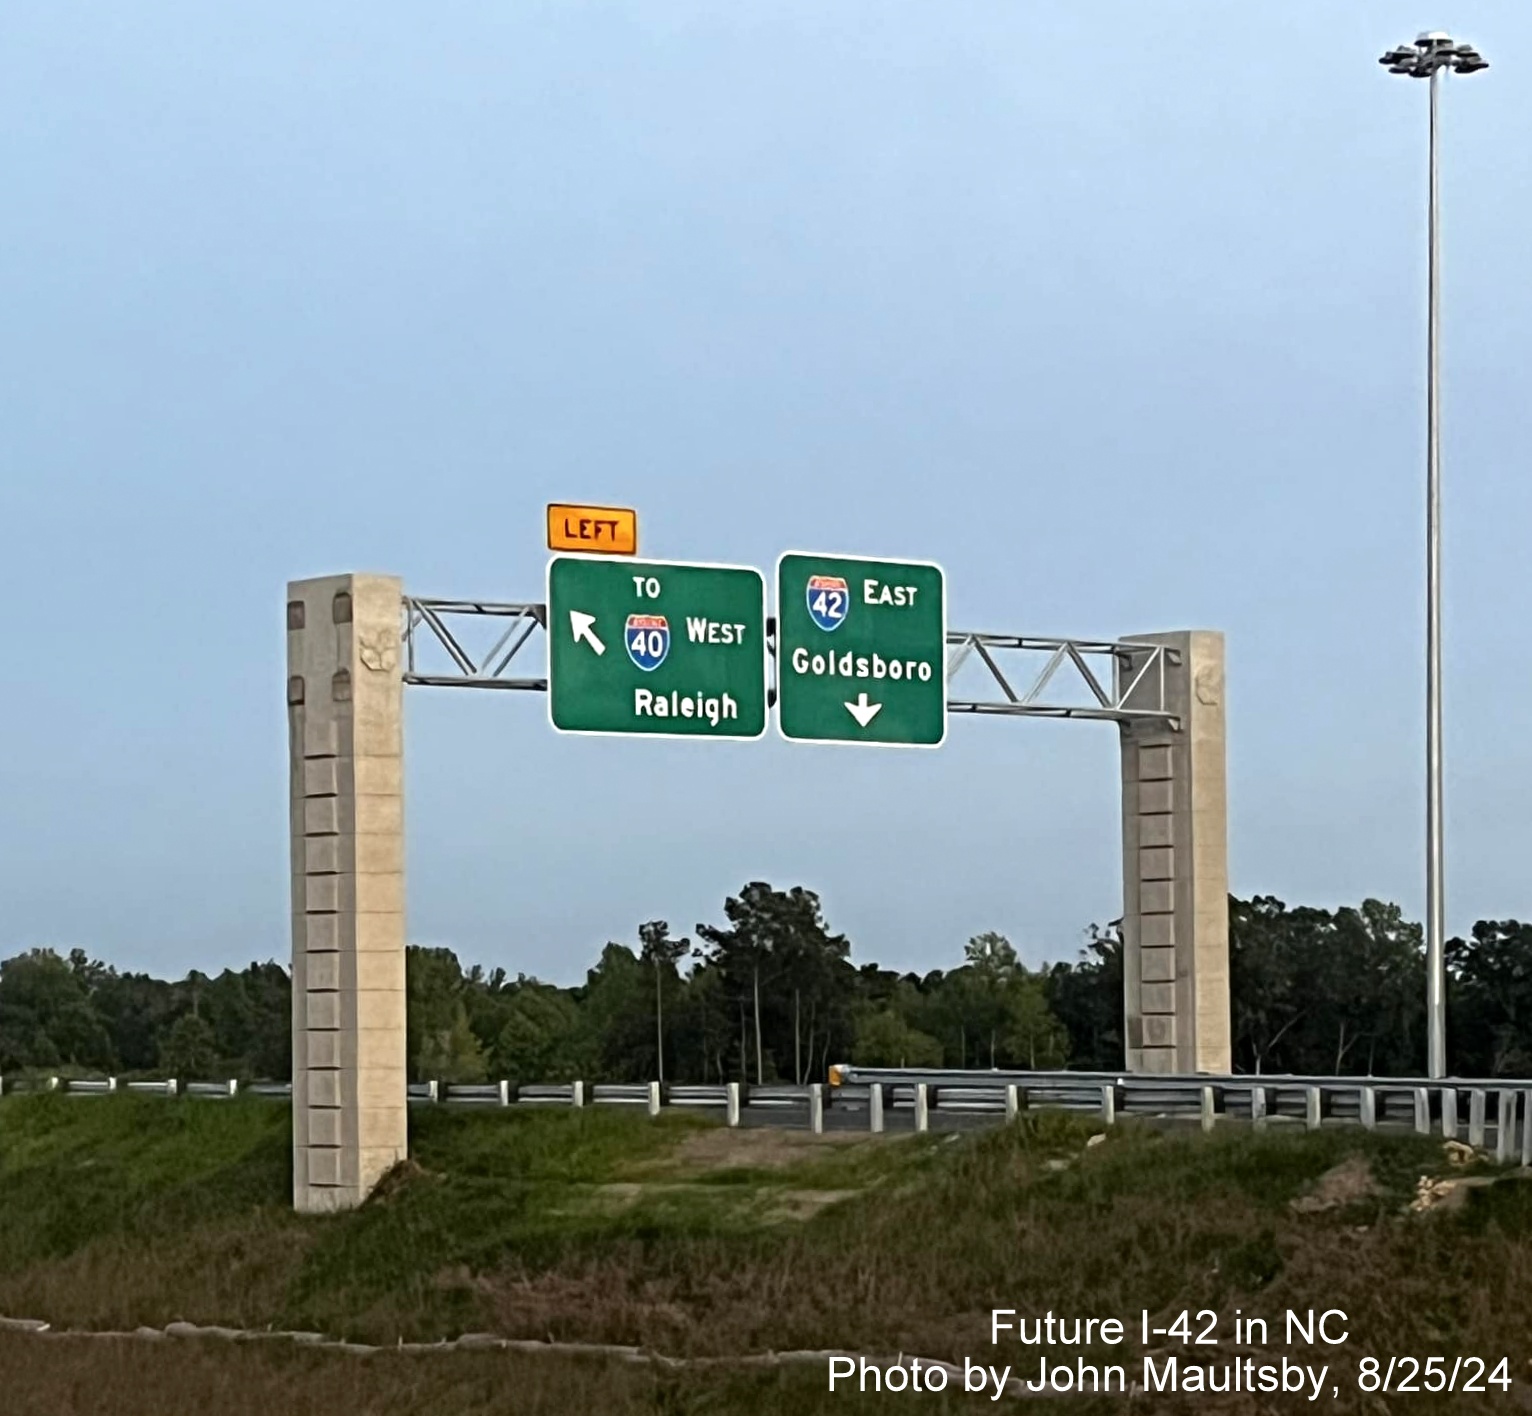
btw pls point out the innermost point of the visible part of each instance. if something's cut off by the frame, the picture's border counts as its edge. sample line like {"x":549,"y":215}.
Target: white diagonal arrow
{"x":863,"y":711}
{"x":580,"y":625}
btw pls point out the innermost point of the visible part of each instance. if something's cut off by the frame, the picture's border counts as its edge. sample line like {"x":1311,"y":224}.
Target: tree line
{"x":772,"y":994}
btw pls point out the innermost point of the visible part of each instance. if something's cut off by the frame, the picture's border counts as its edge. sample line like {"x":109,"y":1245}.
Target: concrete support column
{"x":345,"y":731}
{"x":1175,"y":841}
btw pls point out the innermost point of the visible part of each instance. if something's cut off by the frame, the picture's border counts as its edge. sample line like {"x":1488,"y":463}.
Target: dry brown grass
{"x":235,"y":1274}
{"x":88,"y":1377}
{"x":60,"y":1376}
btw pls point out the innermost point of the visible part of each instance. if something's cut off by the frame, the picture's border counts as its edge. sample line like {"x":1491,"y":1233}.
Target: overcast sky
{"x":1116,"y":310}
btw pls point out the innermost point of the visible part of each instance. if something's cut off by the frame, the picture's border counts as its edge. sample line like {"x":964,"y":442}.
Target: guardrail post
{"x":1258,"y":1108}
{"x":53,"y":1084}
{"x":817,"y":1108}
{"x":111,"y":1084}
{"x":1476,"y":1118}
{"x":1313,"y":1108}
{"x":1505,"y":1126}
{"x":233,"y":1086}
{"x":1422,"y":1110}
{"x":172,"y":1087}
{"x":875,"y":1108}
{"x":1012,"y":1101}
{"x":731,"y":1105}
{"x":1108,"y":1104}
{"x":577,"y":1093}
{"x":654,"y":1098}
{"x":1449,"y":1113}
{"x":505,"y":1093}
{"x":1367,"y":1107}
{"x":1526,"y":1128}
{"x":433,"y":1092}
{"x":1207,"y":1108}
{"x":922,"y":1112}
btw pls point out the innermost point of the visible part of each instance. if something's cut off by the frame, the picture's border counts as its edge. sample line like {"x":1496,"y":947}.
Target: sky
{"x":1116,"y":311}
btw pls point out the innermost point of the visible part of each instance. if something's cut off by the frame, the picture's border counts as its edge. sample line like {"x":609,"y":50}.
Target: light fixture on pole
{"x":1432,"y":55}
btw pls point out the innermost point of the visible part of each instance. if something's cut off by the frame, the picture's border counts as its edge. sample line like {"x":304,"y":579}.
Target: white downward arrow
{"x":863,"y":711}
{"x":580,"y":627}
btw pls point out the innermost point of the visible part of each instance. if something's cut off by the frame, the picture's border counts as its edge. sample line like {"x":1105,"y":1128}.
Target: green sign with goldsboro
{"x":861,"y":650}
{"x":661,"y":648}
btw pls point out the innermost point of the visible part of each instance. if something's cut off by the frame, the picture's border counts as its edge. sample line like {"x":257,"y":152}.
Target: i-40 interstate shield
{"x":861,"y":650}
{"x":656,"y":648}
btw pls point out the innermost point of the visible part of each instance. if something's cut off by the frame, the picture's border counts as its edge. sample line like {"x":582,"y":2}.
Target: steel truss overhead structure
{"x":470,"y":668}
{"x":1127,"y":686}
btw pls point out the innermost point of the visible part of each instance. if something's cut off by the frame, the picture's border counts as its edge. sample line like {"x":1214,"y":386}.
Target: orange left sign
{"x":601,"y":530}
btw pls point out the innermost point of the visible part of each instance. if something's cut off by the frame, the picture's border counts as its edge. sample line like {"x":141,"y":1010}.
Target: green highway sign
{"x":861,"y":650}
{"x":661,"y":648}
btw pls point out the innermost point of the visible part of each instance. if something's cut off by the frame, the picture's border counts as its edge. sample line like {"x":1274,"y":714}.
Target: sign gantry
{"x":625,"y":638}
{"x":1121,"y":681}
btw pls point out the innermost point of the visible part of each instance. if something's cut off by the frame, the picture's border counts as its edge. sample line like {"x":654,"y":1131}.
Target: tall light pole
{"x":1432,"y":55}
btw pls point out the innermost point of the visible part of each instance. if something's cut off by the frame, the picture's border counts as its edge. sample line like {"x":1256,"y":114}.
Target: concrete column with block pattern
{"x":345,"y":711}
{"x":1175,"y":842}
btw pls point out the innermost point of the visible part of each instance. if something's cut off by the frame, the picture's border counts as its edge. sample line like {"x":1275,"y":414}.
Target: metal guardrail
{"x":476,"y":1093}
{"x":716,"y":1094}
{"x":773,"y":1097}
{"x":94,"y":1088}
{"x":565,"y":1094}
{"x":1411,"y":1103}
{"x":852,"y":1073}
{"x":1478,"y":1109}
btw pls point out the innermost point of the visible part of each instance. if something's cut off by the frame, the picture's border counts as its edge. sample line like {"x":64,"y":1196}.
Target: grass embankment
{"x":609,"y":1227}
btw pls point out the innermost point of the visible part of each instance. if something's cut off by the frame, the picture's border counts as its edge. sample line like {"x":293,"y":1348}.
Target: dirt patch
{"x":1341,"y":1185}
{"x":396,"y":1181}
{"x":799,"y":1205}
{"x":620,"y":1194}
{"x":764,"y":1149}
